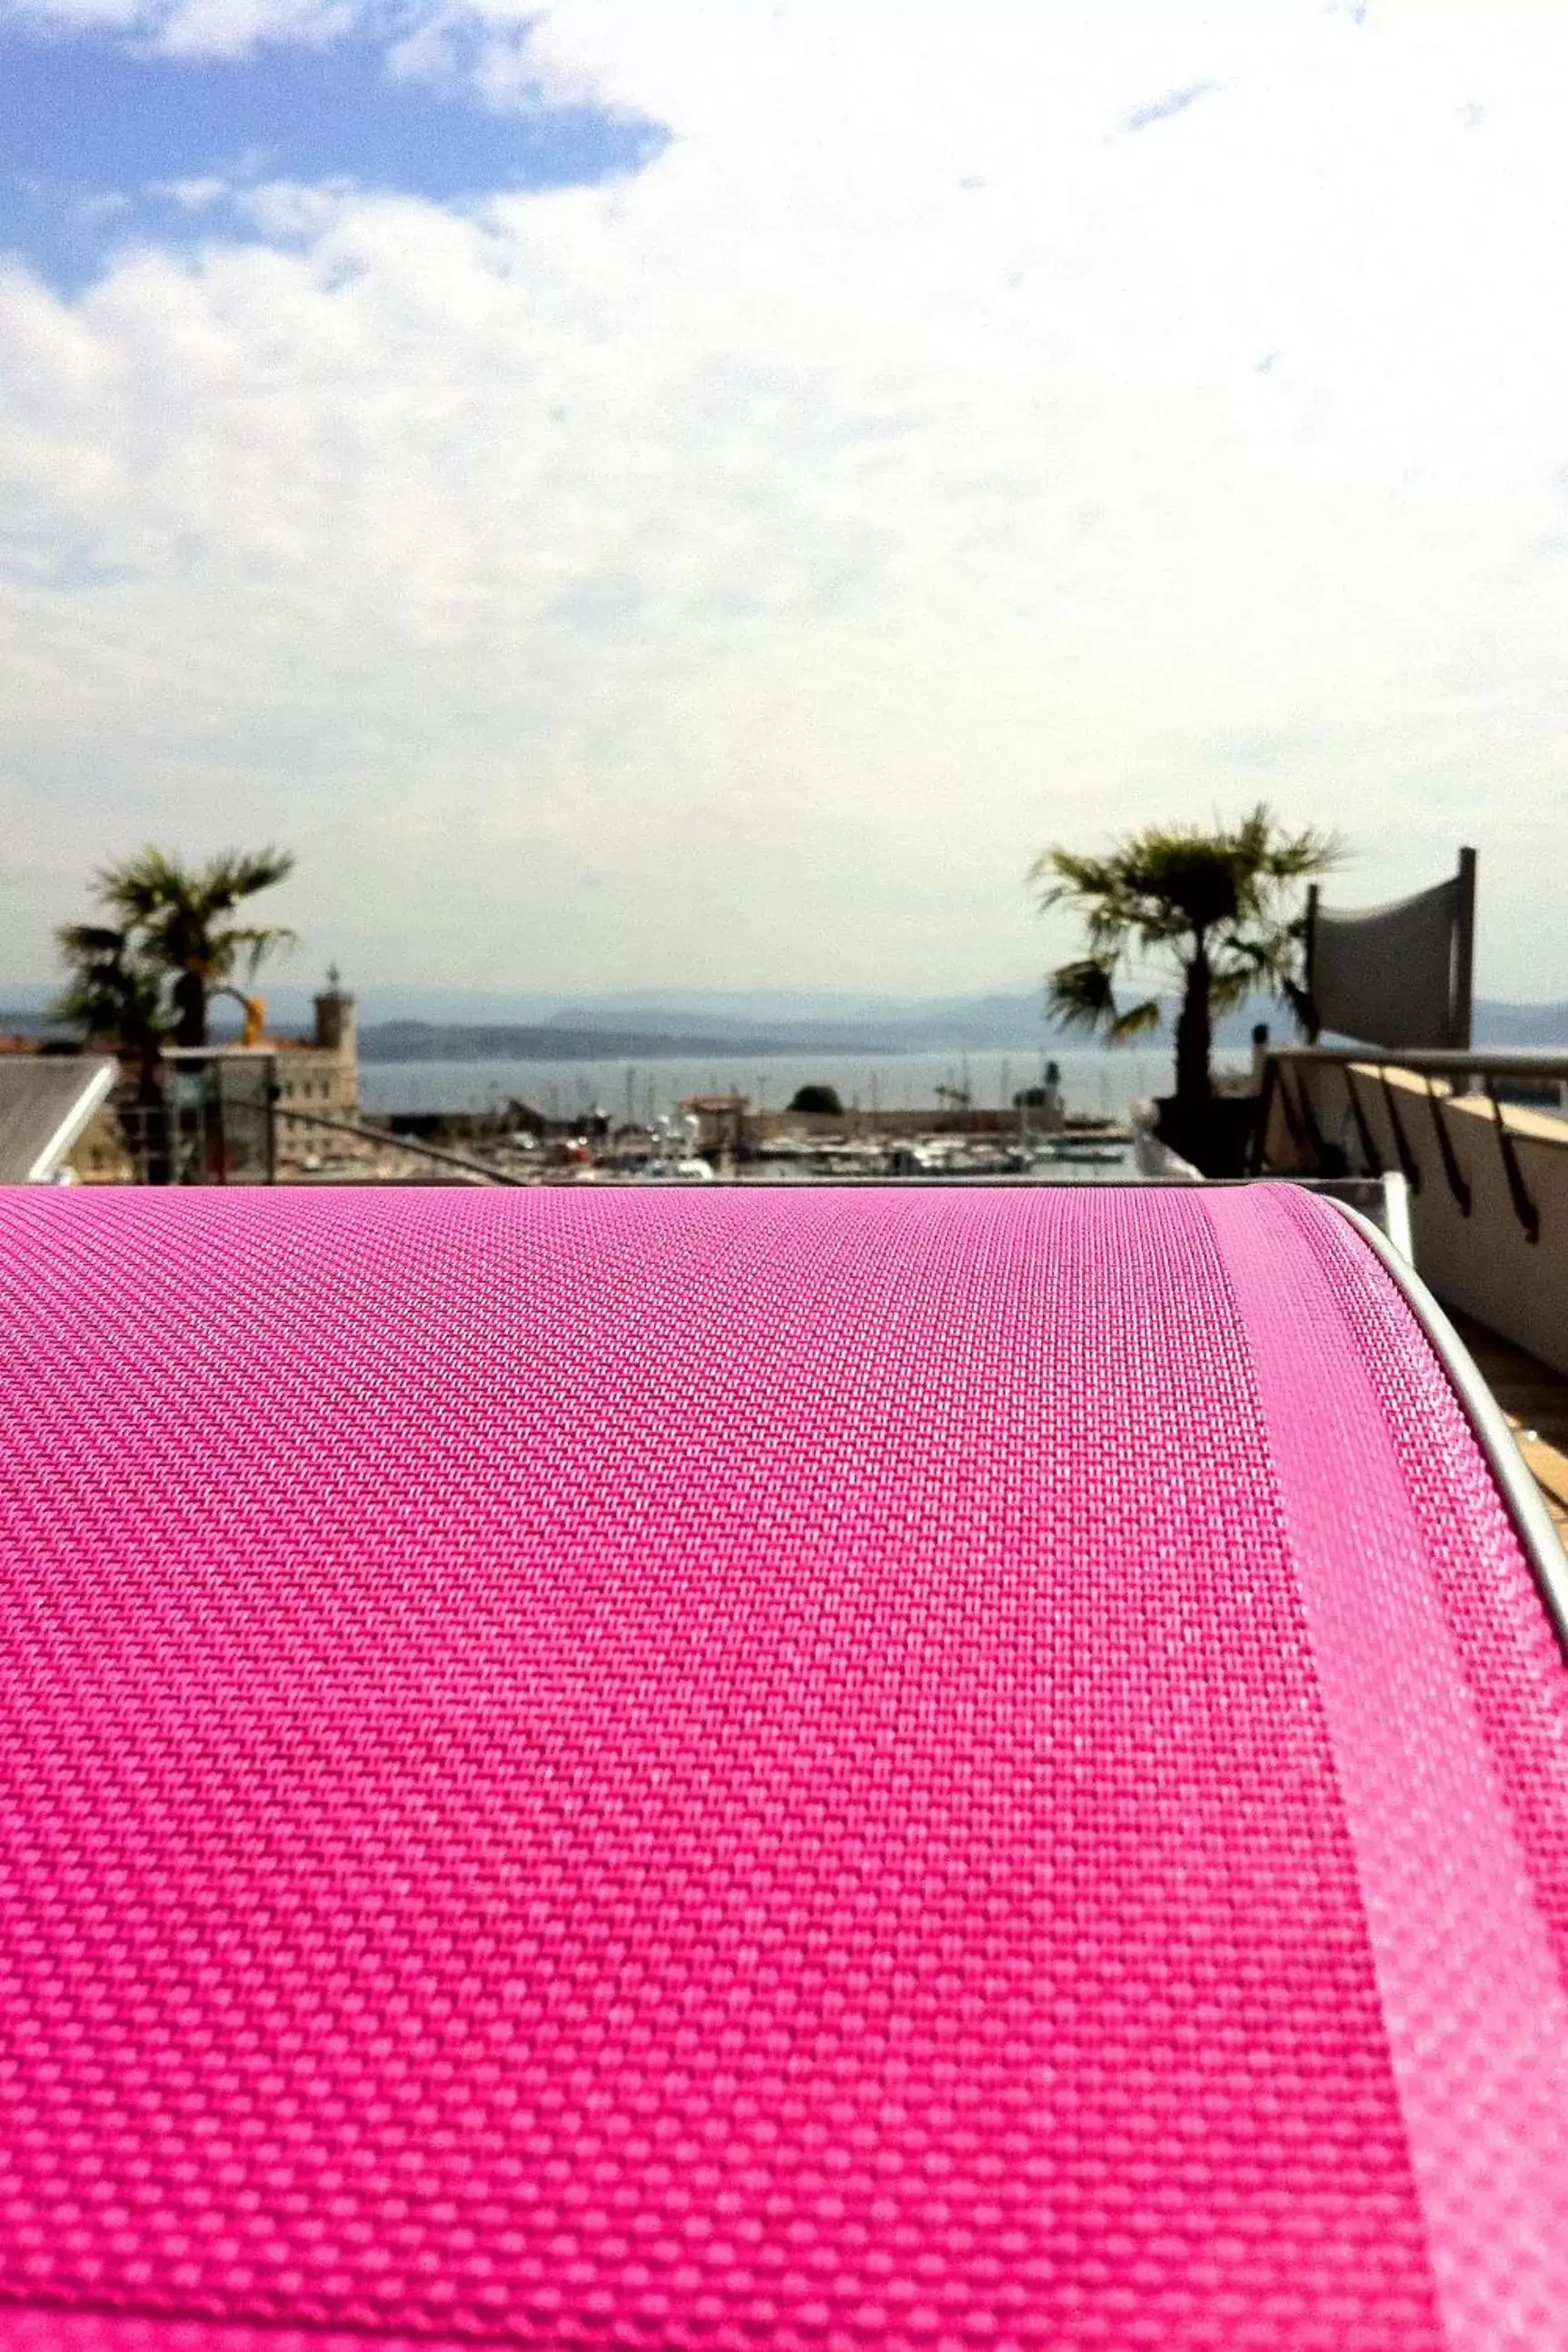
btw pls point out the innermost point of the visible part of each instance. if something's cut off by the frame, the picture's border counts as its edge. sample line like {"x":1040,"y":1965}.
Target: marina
{"x":1097,"y":1083}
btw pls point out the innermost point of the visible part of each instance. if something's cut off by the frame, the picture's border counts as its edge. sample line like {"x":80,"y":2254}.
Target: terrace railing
{"x":1480,"y":1138}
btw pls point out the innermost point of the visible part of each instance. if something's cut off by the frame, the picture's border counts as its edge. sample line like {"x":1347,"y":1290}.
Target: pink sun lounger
{"x":958,"y":1769}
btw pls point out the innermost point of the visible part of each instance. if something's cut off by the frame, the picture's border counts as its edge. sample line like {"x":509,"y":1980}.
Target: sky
{"x":656,"y":493}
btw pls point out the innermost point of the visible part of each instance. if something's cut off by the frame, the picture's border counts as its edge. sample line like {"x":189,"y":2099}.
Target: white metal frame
{"x":1533,"y":1521}
{"x":92,"y":1095}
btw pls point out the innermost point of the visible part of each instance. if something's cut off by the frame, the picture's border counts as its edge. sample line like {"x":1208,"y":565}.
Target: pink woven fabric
{"x":762,"y":1769}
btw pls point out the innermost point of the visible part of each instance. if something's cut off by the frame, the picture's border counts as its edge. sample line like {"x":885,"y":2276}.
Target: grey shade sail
{"x":1398,"y":974}
{"x":46,"y":1101}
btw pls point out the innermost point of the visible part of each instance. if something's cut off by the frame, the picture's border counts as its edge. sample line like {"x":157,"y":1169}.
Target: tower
{"x":335,"y":1020}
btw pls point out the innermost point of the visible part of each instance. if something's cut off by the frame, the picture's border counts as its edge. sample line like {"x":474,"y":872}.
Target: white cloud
{"x":193,"y":27}
{"x":735,"y":573}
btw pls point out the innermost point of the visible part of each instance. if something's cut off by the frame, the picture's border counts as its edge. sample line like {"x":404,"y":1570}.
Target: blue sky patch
{"x":95,"y":133}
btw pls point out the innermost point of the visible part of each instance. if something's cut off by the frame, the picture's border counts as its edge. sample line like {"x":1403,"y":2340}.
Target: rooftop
{"x":46,"y":1101}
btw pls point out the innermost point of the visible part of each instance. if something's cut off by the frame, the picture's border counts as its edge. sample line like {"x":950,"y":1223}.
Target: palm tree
{"x":111,"y":993}
{"x":179,"y":917}
{"x":1216,"y":909}
{"x":115,"y":997}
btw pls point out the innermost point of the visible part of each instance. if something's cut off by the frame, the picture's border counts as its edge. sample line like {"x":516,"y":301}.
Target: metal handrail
{"x":1542,"y":1065}
{"x":400,"y":1143}
{"x":1546,"y":1063}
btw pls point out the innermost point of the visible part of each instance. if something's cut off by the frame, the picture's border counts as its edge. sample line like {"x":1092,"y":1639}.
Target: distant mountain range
{"x":1008,"y":1023}
{"x":1520,"y":1024}
{"x":413,"y":1026}
{"x":566,"y":1041}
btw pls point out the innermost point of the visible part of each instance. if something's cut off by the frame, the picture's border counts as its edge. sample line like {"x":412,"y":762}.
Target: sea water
{"x":1097,"y":1083}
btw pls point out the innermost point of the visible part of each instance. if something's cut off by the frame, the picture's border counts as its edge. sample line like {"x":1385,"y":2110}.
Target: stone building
{"x":721,"y":1122}
{"x":319,"y":1074}
{"x":216,"y":1115}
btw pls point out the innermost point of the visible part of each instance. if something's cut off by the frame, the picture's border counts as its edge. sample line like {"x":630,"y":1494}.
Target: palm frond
{"x":112,"y":993}
{"x":176,"y":911}
{"x":1081,"y":996}
{"x":247,"y":947}
{"x":1138,"y":1021}
{"x":237,"y":874}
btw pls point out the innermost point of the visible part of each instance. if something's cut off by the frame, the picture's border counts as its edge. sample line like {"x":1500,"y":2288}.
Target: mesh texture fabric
{"x":930,"y":1770}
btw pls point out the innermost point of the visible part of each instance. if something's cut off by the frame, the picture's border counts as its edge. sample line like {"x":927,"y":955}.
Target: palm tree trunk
{"x":1195,"y":1033}
{"x":191,"y":1006}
